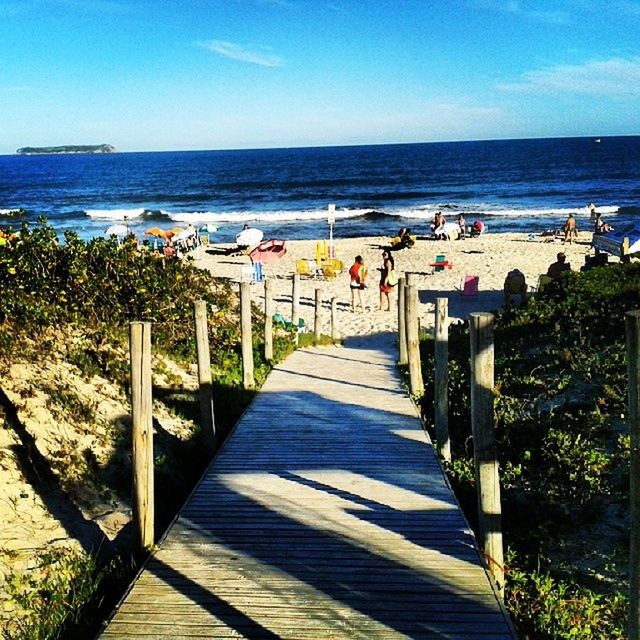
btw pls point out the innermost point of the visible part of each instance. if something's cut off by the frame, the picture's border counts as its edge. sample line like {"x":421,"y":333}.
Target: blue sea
{"x":512,"y":185}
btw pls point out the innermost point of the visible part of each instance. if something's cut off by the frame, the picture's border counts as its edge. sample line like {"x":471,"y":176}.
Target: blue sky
{"x":209,"y":74}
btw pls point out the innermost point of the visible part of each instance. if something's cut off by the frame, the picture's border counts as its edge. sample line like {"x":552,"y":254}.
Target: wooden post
{"x":334,"y":319}
{"x":402,"y":324}
{"x":316,"y":319}
{"x":142,"y":432}
{"x":245,"y":332}
{"x":295,"y":299}
{"x":632,"y":320}
{"x":482,"y":426}
{"x":205,"y":393}
{"x":268,"y":319}
{"x":295,"y":304}
{"x":441,"y":376}
{"x":416,"y":384}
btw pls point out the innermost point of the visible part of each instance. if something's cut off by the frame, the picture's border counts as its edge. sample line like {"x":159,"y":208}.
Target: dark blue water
{"x":512,"y":185}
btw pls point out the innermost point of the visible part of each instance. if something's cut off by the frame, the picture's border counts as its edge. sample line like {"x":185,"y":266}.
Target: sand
{"x":490,"y":256}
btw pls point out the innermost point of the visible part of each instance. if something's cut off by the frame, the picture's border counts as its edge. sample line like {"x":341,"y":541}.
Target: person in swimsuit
{"x":386,"y":288}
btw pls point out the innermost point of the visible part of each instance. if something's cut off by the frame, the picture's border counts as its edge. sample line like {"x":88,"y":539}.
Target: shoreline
{"x":490,"y":256}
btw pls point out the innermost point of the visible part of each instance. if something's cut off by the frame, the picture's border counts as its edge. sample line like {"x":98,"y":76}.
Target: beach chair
{"x":302,"y":268}
{"x":328,"y":272}
{"x":322,"y":251}
{"x":287,"y":325}
{"x":258,"y":275}
{"x":515,"y":284}
{"x":336,"y":264}
{"x":469,"y":287}
{"x":543,"y":281}
{"x":441,"y":263}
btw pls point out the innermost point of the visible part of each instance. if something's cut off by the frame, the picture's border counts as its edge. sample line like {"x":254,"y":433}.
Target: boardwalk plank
{"x":325,"y":515}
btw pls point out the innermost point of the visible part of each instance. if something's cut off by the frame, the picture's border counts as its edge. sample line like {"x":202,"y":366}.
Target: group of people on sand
{"x":569,"y":231}
{"x":441,"y":231}
{"x":358,"y":273}
{"x":599,"y":225}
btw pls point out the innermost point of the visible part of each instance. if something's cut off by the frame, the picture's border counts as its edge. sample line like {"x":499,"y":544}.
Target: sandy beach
{"x":490,"y":256}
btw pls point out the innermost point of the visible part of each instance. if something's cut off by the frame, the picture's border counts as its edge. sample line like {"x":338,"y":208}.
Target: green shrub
{"x":548,"y":608}
{"x":560,"y":392}
{"x":52,"y":594}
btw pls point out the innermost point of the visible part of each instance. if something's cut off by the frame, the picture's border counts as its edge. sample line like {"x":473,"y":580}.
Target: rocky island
{"x":86,"y":148}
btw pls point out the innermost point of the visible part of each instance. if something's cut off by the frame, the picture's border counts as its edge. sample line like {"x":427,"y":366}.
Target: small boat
{"x":598,"y":140}
{"x":268,"y":251}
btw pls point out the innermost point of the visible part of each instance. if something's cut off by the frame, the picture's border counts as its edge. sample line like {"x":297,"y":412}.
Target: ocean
{"x":511,"y":185}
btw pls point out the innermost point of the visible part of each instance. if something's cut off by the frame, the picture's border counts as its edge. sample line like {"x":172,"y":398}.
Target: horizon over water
{"x":524,"y":185}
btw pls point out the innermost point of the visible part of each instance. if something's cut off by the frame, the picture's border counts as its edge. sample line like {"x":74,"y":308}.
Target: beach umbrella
{"x":176,"y":230}
{"x":249,"y":237}
{"x":155,"y":231}
{"x":119,"y":230}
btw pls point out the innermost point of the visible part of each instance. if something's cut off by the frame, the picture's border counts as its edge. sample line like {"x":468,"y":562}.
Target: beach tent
{"x":268,"y":252}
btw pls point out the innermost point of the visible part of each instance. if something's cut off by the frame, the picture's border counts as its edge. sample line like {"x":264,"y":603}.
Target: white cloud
{"x":244,"y":54}
{"x":615,"y":77}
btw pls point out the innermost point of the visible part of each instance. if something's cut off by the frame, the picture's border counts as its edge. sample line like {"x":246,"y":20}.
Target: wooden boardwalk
{"x":325,"y":515}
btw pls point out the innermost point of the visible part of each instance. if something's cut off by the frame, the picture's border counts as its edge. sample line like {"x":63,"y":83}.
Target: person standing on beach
{"x":592,"y":211}
{"x":385,"y":285}
{"x":570,"y":229}
{"x":462,"y":224}
{"x":357,"y":275}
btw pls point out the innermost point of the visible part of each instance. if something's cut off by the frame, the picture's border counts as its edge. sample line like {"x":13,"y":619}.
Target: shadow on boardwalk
{"x":325,"y":515}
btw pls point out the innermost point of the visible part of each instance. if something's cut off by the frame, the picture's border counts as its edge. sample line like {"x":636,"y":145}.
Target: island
{"x":72,"y":148}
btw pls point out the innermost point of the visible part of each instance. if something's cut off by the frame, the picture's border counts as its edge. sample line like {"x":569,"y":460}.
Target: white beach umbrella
{"x":249,"y":237}
{"x":119,"y":230}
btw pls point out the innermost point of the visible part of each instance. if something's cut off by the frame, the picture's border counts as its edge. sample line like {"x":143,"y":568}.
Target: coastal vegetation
{"x":559,"y":403}
{"x":70,"y":148}
{"x":65,"y":442}
{"x":563,"y":448}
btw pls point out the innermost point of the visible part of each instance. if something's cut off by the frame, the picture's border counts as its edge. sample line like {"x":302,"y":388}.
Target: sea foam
{"x":115,"y":214}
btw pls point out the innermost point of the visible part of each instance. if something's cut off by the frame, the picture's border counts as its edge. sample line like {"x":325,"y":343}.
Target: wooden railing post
{"x":268,"y":319}
{"x":416,"y":384}
{"x":142,"y":432}
{"x":246,"y":338}
{"x":317,"y":330}
{"x":295,"y":303}
{"x":205,"y":389}
{"x":441,"y":376}
{"x":632,"y":321}
{"x":402,"y":324}
{"x":334,"y":319}
{"x":482,"y":426}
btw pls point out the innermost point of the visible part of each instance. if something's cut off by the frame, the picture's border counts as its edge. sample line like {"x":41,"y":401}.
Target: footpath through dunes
{"x":325,"y":515}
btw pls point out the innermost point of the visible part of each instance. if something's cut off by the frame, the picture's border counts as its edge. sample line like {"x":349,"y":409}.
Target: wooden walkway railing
{"x":325,"y":515}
